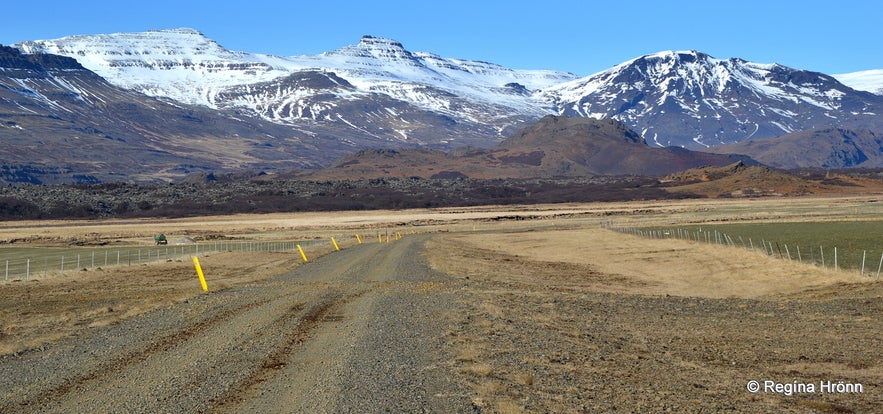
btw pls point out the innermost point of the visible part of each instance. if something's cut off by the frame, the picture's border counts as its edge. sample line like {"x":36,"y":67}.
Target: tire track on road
{"x":103,"y":370}
{"x":286,"y":343}
{"x":281,"y":356}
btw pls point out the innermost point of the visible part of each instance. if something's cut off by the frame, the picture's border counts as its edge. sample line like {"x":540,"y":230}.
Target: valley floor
{"x":525,"y":309}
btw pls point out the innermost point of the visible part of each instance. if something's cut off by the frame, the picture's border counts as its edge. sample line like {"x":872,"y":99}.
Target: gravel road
{"x":360,"y":330}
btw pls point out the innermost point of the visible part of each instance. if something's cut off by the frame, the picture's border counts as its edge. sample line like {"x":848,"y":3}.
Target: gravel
{"x":354,"y":331}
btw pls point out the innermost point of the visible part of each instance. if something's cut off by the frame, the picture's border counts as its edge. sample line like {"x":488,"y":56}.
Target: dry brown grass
{"x":42,"y":311}
{"x":571,"y":317}
{"x":614,"y":262}
{"x":467,"y":353}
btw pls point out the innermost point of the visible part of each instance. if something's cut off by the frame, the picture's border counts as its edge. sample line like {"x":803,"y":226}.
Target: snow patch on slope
{"x":184,"y":65}
{"x":866,"y":80}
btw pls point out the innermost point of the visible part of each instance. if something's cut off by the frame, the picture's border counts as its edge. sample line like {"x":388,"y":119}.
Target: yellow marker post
{"x":379,"y":238}
{"x":334,"y":242}
{"x":359,"y":239}
{"x":302,"y":254}
{"x":199,"y":272}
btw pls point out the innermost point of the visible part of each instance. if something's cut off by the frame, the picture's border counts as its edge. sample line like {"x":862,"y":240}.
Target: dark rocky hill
{"x":556,"y":146}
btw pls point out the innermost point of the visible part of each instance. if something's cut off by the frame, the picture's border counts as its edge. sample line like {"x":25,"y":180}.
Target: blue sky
{"x":582,"y":37}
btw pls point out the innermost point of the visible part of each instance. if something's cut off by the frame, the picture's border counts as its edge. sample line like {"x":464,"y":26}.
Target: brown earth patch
{"x":587,"y":320}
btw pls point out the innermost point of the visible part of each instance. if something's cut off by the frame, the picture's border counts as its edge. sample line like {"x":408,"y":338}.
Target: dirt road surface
{"x":535,"y":309}
{"x":356,"y":331}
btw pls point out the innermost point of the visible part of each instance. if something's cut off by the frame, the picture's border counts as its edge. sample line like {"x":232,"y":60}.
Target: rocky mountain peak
{"x":372,"y":42}
{"x":122,"y":46}
{"x":693,"y":100}
{"x":386,"y":51}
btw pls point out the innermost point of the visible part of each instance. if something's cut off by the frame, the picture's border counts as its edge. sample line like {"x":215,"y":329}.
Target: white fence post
{"x":879,"y":265}
{"x":864,"y":254}
{"x":835,"y":258}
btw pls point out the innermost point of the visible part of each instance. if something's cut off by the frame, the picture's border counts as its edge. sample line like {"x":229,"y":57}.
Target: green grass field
{"x":812,"y":240}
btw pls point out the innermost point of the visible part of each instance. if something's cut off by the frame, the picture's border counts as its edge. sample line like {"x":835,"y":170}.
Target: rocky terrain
{"x":247,"y":193}
{"x":266,"y":194}
{"x":62,"y":123}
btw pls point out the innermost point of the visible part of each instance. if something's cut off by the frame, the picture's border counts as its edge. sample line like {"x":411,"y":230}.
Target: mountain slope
{"x":683,"y":98}
{"x":693,"y":100}
{"x":62,"y":123}
{"x":272,"y":112}
{"x":488,"y":100}
{"x":740,"y":180}
{"x":553,"y":147}
{"x":826,"y":147}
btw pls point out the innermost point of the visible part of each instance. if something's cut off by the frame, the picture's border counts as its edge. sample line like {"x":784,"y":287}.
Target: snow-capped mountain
{"x":179,"y":64}
{"x":185,"y":66}
{"x":866,"y":80}
{"x":308,"y":110}
{"x":60,"y":122}
{"x":690,"y":99}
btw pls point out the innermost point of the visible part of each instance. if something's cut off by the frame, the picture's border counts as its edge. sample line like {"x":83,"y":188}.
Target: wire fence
{"x":28,"y":263}
{"x":864,"y":261}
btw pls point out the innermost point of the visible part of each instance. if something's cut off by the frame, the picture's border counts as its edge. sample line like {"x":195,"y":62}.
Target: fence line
{"x":780,"y":251}
{"x":25,"y":266}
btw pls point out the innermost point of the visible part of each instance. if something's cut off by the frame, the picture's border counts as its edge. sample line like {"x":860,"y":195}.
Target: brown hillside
{"x":740,"y":180}
{"x":554,"y":146}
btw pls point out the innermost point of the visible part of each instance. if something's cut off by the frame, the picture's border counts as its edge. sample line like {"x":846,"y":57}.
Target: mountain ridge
{"x":306,"y":111}
{"x":673,"y":98}
{"x":690,"y":99}
{"x":63,"y":123}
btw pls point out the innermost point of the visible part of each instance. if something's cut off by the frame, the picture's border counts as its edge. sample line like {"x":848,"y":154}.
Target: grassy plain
{"x":808,"y":241}
{"x":555,"y":313}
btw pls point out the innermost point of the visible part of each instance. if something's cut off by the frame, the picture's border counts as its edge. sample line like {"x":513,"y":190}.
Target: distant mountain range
{"x":160,"y":105}
{"x":826,"y":147}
